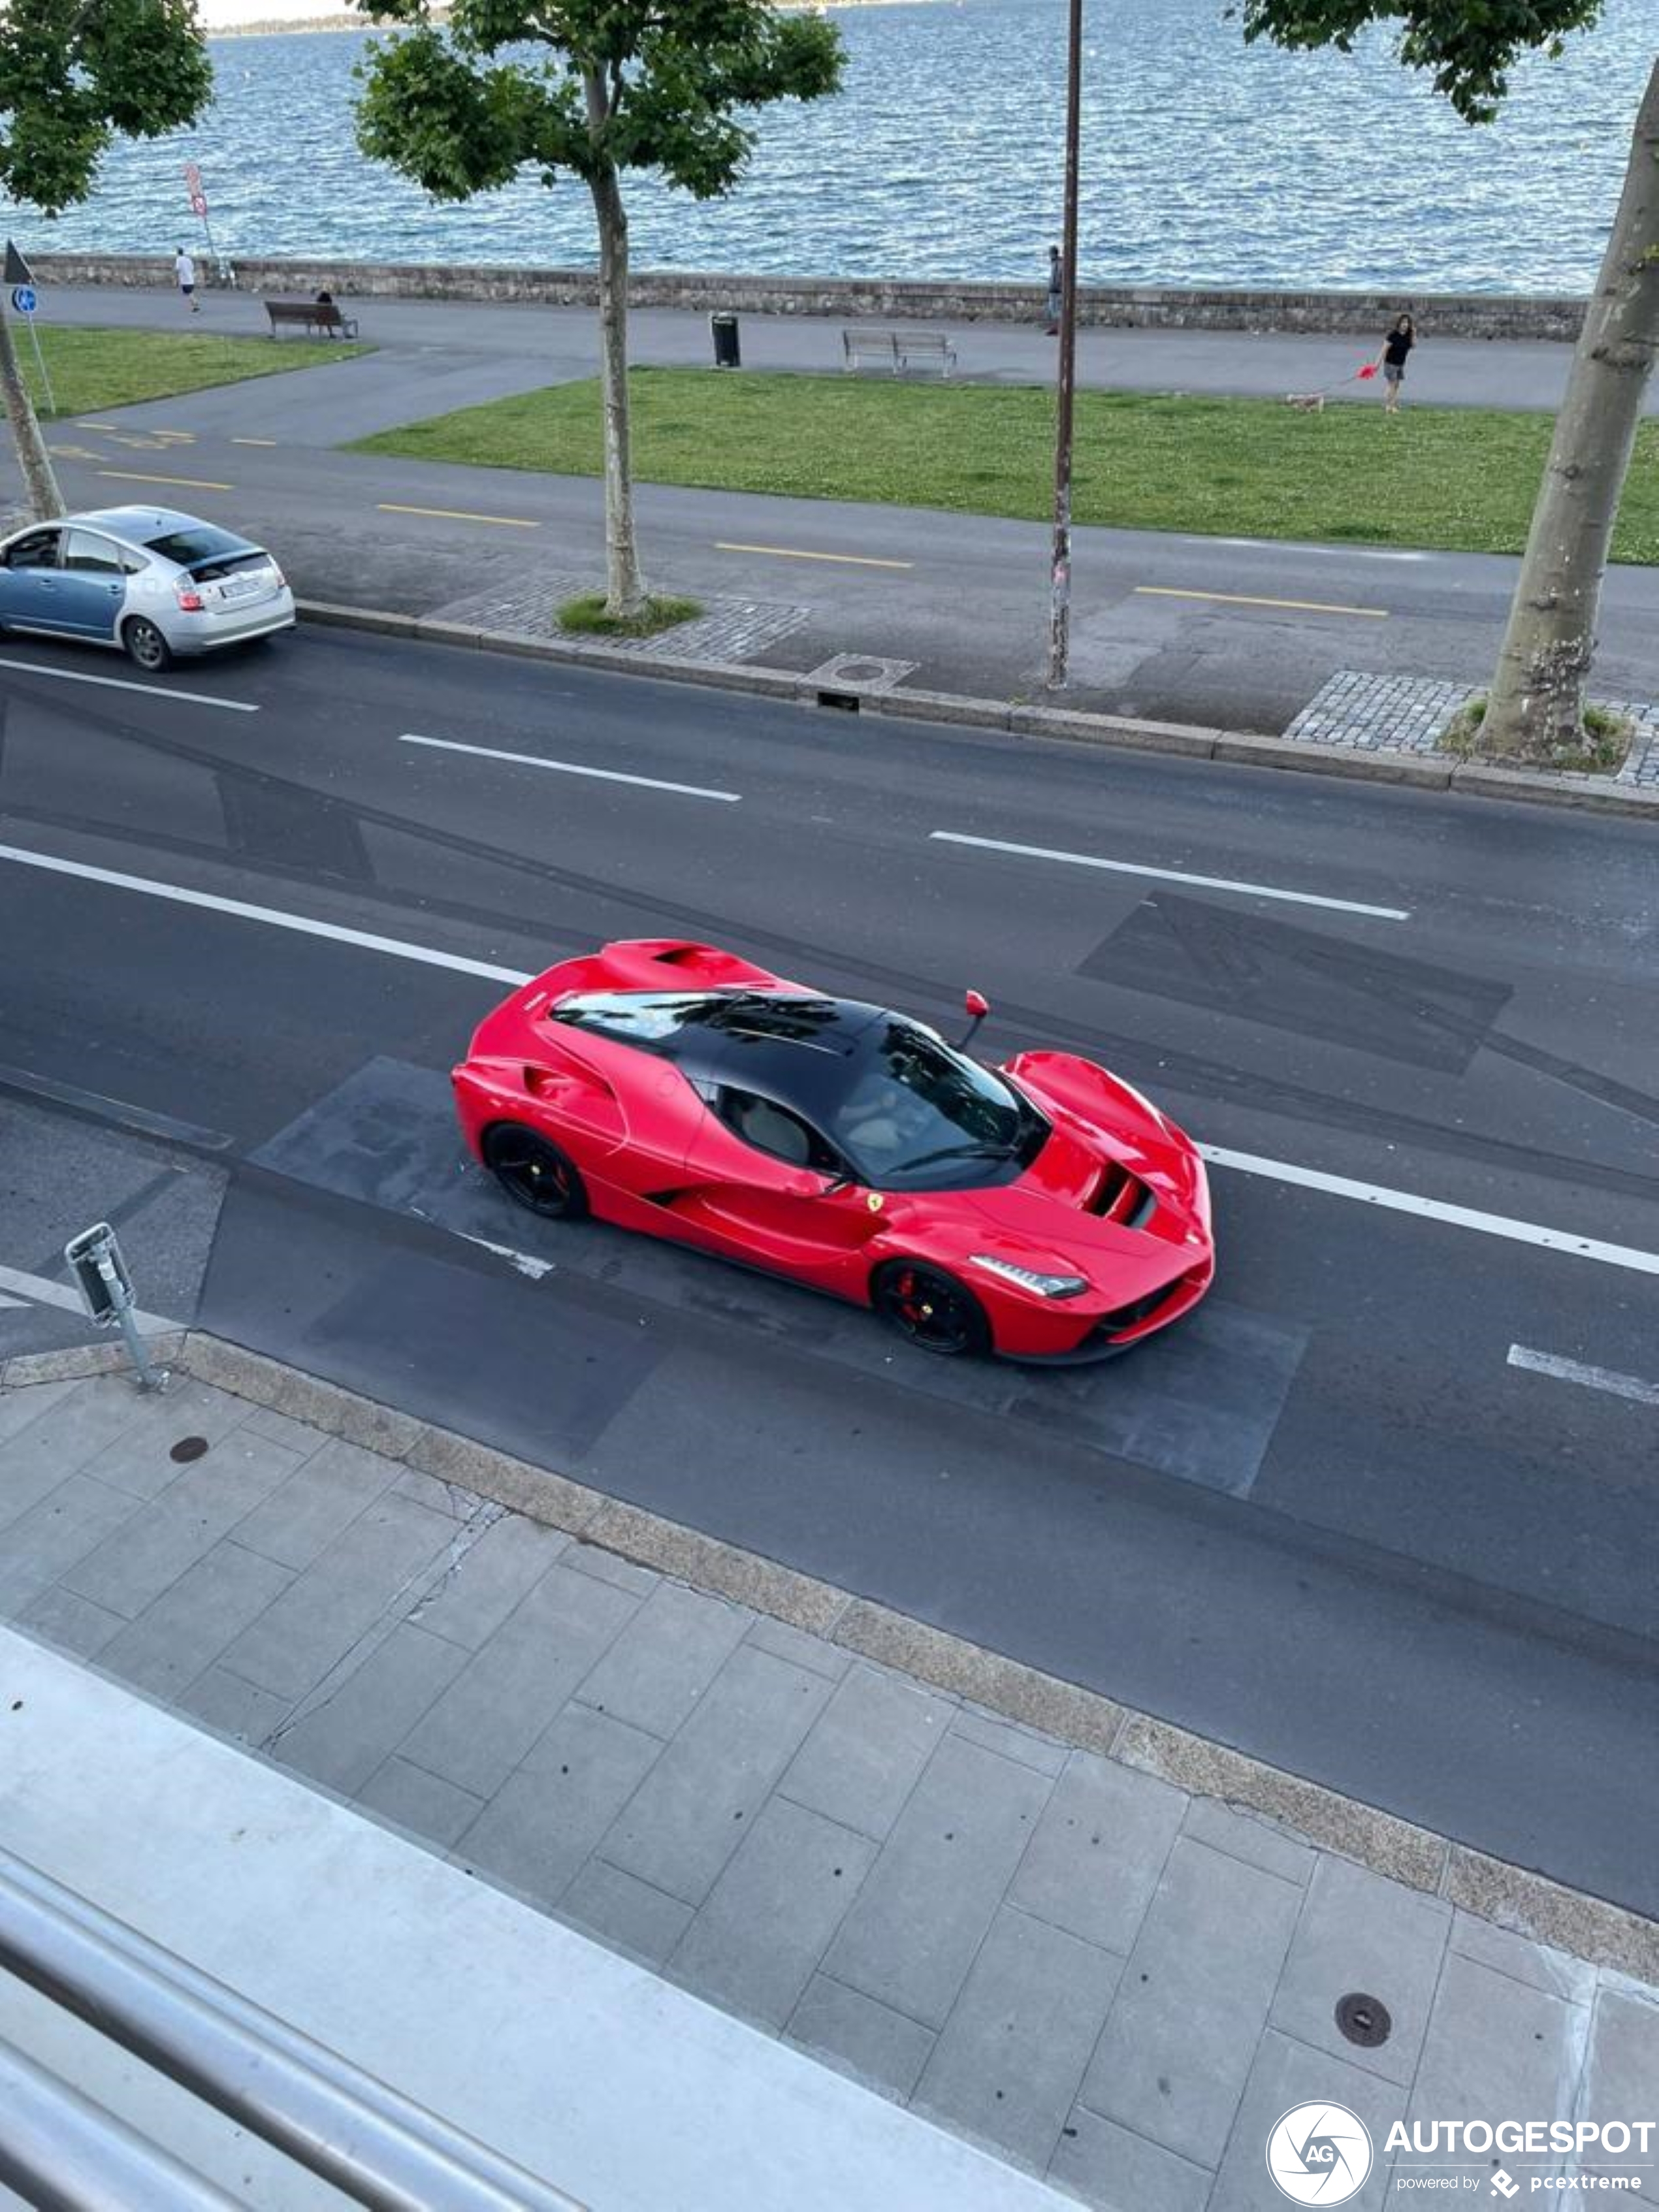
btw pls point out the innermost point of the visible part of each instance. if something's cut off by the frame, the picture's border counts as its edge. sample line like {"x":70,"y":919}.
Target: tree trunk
{"x":624,"y":587}
{"x":39,"y":484}
{"x":1535,"y":711}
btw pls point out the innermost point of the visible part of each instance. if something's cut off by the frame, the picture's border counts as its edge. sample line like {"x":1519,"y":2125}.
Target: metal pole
{"x":61,"y":2152}
{"x":1060,"y":607}
{"x":149,"y":1377}
{"x":40,"y":363}
{"x":377,"y":2147}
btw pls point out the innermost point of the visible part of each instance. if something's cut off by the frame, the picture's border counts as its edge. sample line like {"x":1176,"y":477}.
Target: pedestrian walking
{"x":1056,"y":291}
{"x":183,"y":273}
{"x":1392,"y":361}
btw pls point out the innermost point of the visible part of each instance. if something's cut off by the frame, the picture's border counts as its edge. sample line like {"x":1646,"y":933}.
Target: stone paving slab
{"x":1074,"y":1952}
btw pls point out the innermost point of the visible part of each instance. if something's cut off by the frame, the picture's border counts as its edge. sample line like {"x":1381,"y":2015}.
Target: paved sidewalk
{"x":1111,"y":1981}
{"x":533,"y":345}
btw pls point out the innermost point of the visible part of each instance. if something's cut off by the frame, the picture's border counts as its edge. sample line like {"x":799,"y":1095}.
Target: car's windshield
{"x":923,"y":1116}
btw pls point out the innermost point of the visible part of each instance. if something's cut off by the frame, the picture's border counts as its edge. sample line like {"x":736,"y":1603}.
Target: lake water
{"x":1205,"y":162}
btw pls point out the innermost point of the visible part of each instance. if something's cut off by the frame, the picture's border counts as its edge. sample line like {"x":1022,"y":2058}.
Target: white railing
{"x":60,"y":2152}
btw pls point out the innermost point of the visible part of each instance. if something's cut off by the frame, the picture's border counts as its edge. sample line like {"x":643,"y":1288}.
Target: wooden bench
{"x":319,"y":318}
{"x":897,"y":349}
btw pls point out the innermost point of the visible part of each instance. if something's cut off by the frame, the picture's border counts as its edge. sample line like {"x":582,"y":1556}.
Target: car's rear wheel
{"x":531,"y":1170}
{"x":931,"y":1307}
{"x":145,"y":645}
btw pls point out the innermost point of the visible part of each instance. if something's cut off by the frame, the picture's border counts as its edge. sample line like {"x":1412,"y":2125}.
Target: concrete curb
{"x":1069,"y":725}
{"x":1510,"y":1897}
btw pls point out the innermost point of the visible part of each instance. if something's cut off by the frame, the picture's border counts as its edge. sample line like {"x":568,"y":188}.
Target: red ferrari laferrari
{"x":1046,"y":1211}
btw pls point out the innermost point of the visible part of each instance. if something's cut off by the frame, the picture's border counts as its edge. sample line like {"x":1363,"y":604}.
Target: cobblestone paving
{"x":729,"y":629}
{"x":1406,"y":714}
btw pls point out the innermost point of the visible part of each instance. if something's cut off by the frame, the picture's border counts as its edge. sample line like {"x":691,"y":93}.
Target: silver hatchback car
{"x":151,"y":580}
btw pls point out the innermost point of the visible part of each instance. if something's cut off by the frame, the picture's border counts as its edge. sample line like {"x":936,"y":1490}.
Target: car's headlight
{"x":1032,"y":1278}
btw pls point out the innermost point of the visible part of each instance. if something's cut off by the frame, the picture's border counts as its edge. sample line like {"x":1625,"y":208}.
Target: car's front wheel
{"x":931,"y":1307}
{"x":531,"y":1170}
{"x":145,"y":645}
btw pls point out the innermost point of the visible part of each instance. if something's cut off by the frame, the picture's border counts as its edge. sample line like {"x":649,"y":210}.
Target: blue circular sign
{"x":23,"y":298}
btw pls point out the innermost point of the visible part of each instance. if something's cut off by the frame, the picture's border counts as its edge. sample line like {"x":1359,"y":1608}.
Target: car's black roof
{"x":798,"y":1049}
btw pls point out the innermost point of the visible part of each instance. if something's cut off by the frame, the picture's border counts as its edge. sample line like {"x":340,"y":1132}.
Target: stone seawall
{"x":1483,"y":315}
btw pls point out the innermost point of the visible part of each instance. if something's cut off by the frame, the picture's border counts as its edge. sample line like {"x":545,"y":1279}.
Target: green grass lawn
{"x":1462,"y":479}
{"x":91,"y":369}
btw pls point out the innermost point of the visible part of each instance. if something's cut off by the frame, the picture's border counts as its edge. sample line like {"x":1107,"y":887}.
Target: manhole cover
{"x":189,"y":1448}
{"x":1363,"y":2020}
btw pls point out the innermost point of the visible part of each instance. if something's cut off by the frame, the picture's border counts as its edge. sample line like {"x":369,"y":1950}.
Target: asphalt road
{"x":1383,"y":1514}
{"x":1222,"y":633}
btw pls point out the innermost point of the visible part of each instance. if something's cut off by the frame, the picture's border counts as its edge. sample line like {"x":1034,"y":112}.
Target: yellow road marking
{"x":1246,"y":599}
{"x":176,"y":437}
{"x":73,"y":452}
{"x":253,"y":441}
{"x":460,"y":514}
{"x":190,"y":483}
{"x":794,"y":553}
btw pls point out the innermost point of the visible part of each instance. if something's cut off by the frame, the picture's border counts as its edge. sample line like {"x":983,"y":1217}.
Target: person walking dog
{"x":184,"y":275}
{"x":1392,"y":361}
{"x":1056,"y":292}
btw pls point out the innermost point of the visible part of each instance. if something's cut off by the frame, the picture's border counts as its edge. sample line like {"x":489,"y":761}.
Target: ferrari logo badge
{"x":874,"y":1201}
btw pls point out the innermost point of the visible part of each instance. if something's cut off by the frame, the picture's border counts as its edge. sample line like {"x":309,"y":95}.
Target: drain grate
{"x":188,"y":1448}
{"x":1364,"y":2020}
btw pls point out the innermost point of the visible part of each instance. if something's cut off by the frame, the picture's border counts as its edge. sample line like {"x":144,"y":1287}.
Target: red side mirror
{"x":978,"y":1007}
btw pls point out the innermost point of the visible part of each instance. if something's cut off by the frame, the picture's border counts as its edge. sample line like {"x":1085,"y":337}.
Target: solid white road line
{"x":301,"y":924}
{"x":1435,"y":1209}
{"x":121,"y":683}
{"x":571,"y":768}
{"x":1591,"y":1378}
{"x":1285,"y":546}
{"x":1170,"y":876}
{"x":40,"y":1290}
{"x":1399,"y":1201}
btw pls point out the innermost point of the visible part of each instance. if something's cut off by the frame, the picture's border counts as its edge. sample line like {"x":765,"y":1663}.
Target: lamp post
{"x":1060,"y":602}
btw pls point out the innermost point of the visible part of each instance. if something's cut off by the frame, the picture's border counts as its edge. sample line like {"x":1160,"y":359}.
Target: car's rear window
{"x":202,"y":542}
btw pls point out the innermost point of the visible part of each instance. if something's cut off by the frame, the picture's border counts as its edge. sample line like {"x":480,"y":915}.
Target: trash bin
{"x":725,"y":329}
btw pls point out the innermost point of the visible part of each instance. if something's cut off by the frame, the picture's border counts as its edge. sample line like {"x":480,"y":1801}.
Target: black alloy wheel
{"x":931,"y":1307}
{"x":531,"y":1170}
{"x":145,"y":645}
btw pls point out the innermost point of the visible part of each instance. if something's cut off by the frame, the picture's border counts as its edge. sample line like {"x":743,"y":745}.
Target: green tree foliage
{"x":1470,"y":46}
{"x":1536,"y":708}
{"x":75,"y":75}
{"x":589,"y":89}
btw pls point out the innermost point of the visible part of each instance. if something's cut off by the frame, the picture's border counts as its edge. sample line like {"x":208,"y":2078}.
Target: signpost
{"x":106,"y":1288}
{"x":198,"y":208}
{"x":25,"y":299}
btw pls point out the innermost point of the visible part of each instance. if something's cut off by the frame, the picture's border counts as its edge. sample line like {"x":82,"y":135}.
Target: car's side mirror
{"x":978,"y":1007}
{"x":836,"y":1184}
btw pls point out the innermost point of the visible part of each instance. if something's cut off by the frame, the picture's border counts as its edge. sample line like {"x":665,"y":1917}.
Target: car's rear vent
{"x":1120,"y":1196}
{"x":681,"y":956}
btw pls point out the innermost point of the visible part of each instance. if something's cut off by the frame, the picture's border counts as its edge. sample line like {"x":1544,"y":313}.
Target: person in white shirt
{"x":184,"y":271}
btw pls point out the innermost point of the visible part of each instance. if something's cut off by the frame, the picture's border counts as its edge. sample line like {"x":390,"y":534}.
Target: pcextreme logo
{"x":1319,"y":2155}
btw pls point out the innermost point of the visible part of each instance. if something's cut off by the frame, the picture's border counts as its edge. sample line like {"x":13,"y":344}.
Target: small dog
{"x":1310,"y":403}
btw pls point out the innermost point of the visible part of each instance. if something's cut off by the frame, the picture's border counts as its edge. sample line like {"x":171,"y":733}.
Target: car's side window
{"x":92,"y":556}
{"x":37,"y":550}
{"x":774,"y":1130}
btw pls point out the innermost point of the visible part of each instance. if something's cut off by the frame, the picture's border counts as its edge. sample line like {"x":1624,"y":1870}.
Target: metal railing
{"x":61,"y":2152}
